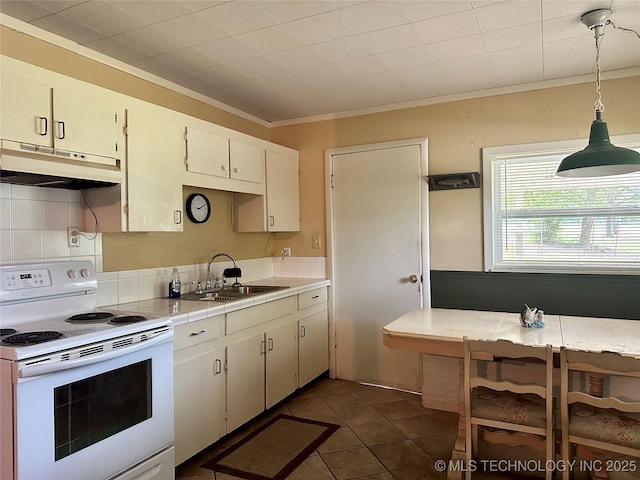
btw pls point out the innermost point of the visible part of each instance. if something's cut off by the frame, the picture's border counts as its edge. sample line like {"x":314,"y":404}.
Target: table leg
{"x":458,"y":453}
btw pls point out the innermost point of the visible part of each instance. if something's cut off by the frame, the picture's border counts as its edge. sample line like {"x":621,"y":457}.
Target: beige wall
{"x":457,"y":132}
{"x":195,"y":244}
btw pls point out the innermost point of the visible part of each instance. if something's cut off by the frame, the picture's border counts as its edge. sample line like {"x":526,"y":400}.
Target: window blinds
{"x":542,"y":222}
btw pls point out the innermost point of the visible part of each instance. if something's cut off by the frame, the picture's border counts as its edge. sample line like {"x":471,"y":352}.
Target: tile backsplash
{"x":34,"y":222}
{"x":33,"y":229}
{"x":136,"y":285}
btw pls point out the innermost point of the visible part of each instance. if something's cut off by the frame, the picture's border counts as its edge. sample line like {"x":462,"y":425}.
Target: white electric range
{"x":87,"y":392}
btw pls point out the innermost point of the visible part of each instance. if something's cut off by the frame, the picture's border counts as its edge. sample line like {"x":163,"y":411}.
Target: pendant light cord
{"x":599,"y":33}
{"x":598,"y":105}
{"x":628,"y":30}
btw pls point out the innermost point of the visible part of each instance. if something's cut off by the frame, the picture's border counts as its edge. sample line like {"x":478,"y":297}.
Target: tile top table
{"x":439,"y":331}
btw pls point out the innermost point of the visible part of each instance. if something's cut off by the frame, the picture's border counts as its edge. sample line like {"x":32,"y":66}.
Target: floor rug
{"x":274,"y":450}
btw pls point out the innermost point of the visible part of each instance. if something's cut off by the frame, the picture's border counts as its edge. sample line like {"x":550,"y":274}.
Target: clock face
{"x":198,"y":208}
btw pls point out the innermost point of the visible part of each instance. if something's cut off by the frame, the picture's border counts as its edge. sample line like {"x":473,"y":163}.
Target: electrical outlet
{"x":73,"y":236}
{"x":316,"y":241}
{"x":286,"y":252}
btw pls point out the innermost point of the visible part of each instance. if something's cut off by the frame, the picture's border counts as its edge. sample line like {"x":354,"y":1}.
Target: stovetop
{"x":49,"y":297}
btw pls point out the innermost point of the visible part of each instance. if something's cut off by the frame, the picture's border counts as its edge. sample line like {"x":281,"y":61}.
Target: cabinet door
{"x":199,"y":403}
{"x":207,"y":153}
{"x":245,"y":380}
{"x":82,"y":124}
{"x":313,"y":356}
{"x":283,"y":195}
{"x":281,"y":365}
{"x":25,"y":115}
{"x":154,"y":166}
{"x":247,"y":162}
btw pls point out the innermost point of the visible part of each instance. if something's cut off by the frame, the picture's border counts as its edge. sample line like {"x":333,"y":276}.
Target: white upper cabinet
{"x":279,"y":209}
{"x":154,"y":166}
{"x":213,"y":160}
{"x":38,"y":118}
{"x":26,"y":111}
{"x":283,"y":193}
{"x":246,"y":162}
{"x":55,"y":125}
{"x":206,"y":153}
{"x":82,"y":124}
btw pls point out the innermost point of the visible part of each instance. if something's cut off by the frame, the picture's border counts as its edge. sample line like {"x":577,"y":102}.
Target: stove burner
{"x":7,"y":331}
{"x":91,"y":317}
{"x":31,"y":338}
{"x":128,"y":319}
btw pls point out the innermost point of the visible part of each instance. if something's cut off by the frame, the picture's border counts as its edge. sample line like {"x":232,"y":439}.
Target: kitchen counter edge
{"x":184,"y":311}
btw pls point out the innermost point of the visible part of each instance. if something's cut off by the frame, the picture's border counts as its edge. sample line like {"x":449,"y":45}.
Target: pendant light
{"x":600,"y":158}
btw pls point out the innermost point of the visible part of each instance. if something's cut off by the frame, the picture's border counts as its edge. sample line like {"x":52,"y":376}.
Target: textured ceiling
{"x":280,"y":60}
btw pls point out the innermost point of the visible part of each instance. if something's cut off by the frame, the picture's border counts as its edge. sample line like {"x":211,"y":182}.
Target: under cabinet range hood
{"x":50,"y":170}
{"x":39,"y":180}
{"x":47,"y":131}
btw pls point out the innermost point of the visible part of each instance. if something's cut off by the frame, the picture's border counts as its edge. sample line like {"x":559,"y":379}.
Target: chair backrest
{"x":598,"y":365}
{"x":491,"y":350}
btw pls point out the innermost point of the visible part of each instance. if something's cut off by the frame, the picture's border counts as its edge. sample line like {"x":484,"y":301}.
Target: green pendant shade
{"x":600,"y":158}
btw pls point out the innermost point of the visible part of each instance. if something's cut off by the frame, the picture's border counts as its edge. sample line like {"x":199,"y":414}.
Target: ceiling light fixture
{"x":600,"y":158}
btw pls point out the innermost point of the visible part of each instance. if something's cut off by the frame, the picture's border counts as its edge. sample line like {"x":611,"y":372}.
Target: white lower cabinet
{"x":199,"y":399}
{"x":230,"y":368}
{"x":261,"y":371}
{"x":313,"y":332}
{"x":199,"y":386}
{"x":313,"y":347}
{"x":281,"y":366}
{"x":245,"y":380}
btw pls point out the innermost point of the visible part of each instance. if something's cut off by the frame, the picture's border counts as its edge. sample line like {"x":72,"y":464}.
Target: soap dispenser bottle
{"x":174,"y":284}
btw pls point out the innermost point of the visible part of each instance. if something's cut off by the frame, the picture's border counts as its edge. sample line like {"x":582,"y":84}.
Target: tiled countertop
{"x":183,"y":311}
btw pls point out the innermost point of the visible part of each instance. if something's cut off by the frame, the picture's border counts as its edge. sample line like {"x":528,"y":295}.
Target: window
{"x":535,"y":221}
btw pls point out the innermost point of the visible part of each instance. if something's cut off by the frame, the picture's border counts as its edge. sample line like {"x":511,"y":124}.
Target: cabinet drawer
{"x":193,"y":333}
{"x":249,"y":317}
{"x":312,"y":297}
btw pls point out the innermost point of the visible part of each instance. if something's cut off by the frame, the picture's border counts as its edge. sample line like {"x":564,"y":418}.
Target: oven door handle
{"x":25,"y":371}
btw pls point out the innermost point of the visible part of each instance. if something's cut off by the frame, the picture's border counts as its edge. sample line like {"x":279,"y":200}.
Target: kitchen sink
{"x":229,"y":294}
{"x":252,"y":289}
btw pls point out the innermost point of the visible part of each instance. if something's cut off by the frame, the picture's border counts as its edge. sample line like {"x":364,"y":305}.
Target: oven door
{"x":96,"y":420}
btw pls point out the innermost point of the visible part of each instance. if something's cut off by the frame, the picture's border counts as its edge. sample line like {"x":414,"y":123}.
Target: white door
{"x":378,"y":256}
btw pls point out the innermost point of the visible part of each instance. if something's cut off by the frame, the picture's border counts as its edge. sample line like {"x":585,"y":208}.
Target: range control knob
{"x":84,"y":272}
{"x":73,"y":274}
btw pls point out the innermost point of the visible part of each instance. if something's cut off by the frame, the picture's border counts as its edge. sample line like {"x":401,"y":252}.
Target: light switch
{"x":316,"y":241}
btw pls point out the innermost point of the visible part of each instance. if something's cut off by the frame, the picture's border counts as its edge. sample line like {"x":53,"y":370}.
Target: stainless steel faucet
{"x":207,"y":283}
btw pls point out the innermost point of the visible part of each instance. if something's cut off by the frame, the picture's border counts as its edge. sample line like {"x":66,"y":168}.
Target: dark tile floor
{"x":384,"y":435}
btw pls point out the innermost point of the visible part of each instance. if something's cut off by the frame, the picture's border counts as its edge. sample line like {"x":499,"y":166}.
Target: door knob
{"x":413,"y":278}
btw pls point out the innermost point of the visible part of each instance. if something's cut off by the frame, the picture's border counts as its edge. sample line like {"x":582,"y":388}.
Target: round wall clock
{"x":198,"y":208}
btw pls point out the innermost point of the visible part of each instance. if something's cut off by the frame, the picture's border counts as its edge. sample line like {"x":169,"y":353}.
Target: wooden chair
{"x":610,"y":422}
{"x":519,"y":413}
